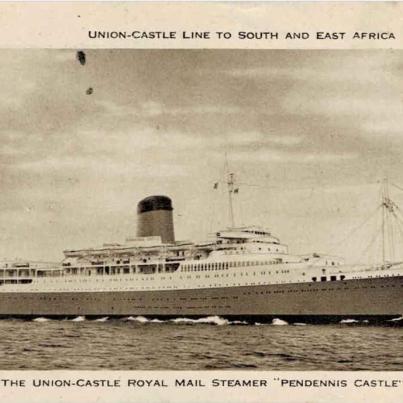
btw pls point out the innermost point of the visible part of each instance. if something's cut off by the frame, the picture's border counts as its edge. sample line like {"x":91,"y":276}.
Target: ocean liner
{"x":242,"y":272}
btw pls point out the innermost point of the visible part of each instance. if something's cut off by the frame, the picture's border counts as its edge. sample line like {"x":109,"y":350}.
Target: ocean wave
{"x":347,"y":321}
{"x":299,"y":324}
{"x":78,"y":319}
{"x":214,"y":320}
{"x":274,"y":322}
{"x":140,"y":319}
{"x":396,"y":319}
{"x":104,"y":319}
{"x":41,"y":319}
{"x":278,"y":322}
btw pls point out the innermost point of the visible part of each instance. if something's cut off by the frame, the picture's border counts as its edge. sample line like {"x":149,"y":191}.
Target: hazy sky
{"x":308,"y":132}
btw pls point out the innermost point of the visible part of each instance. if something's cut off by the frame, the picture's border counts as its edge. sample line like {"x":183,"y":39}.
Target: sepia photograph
{"x":201,"y":209}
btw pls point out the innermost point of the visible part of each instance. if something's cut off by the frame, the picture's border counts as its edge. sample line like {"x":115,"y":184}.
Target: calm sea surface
{"x":140,"y":344}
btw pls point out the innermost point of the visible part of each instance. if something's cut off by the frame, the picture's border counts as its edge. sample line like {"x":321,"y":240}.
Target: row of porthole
{"x":136,"y":307}
{"x":162,"y":278}
{"x":199,"y":286}
{"x":216,"y":285}
{"x":196,"y":266}
{"x":149,"y":288}
{"x":202,"y":298}
{"x":132,"y":299}
{"x":234,"y":297}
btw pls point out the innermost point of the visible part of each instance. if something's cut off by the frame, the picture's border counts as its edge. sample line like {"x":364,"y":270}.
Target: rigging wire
{"x":355,"y":229}
{"x":391,"y":238}
{"x":372,"y":241}
{"x":293,"y":188}
{"x":397,"y":187}
{"x":389,"y":214}
{"x":399,"y":226}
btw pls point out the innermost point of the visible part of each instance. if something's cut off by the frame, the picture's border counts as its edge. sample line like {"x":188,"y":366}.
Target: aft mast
{"x":390,"y":215}
{"x":384,"y":219}
{"x":230,"y":184}
{"x":232,"y":189}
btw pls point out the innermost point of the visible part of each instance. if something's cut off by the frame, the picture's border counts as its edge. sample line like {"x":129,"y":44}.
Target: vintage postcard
{"x":201,"y":202}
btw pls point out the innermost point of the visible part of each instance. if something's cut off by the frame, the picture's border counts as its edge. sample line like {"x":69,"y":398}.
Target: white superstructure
{"x":245,"y":256}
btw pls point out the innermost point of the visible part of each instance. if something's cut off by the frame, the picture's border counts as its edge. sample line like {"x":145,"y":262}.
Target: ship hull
{"x":361,"y":298}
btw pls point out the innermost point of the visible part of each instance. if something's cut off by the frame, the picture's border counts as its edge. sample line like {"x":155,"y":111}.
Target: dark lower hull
{"x":363,"y":299}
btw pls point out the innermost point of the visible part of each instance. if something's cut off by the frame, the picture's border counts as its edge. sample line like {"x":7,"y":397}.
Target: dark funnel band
{"x":154,"y":203}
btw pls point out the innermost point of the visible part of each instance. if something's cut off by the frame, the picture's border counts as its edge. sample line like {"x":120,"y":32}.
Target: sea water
{"x":139,"y":343}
